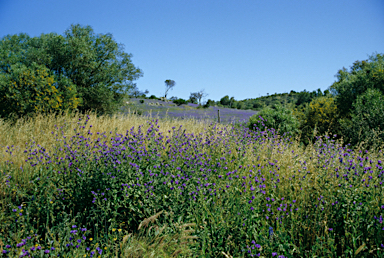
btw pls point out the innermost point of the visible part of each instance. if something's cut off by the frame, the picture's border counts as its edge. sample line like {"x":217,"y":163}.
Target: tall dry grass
{"x":44,"y":130}
{"x":305,"y":173}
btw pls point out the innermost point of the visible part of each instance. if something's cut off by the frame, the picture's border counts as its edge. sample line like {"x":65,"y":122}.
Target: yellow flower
{"x":91,"y":239}
{"x":119,"y":229}
{"x":114,"y":239}
{"x":51,"y":202}
{"x":105,"y":248}
{"x":113,"y":230}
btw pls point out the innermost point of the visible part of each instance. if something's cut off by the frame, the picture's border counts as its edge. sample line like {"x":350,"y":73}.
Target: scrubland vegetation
{"x":81,"y":185}
{"x":302,"y":178}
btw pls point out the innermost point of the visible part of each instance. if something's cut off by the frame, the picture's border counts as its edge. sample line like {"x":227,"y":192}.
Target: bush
{"x":279,"y":118}
{"x":321,"y":116}
{"x":225,"y":101}
{"x":258,"y":105}
{"x":142,"y":101}
{"x":152,"y":97}
{"x":367,"y":123}
{"x":363,"y":75}
{"x":209,"y":103}
{"x":180,"y":102}
{"x":25,"y":90}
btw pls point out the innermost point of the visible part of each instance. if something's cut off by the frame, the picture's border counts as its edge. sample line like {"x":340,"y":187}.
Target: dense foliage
{"x":180,"y":102}
{"x":88,"y":71}
{"x":367,"y":122}
{"x":352,"y":108}
{"x":318,"y":117}
{"x":259,"y":103}
{"x":25,"y":90}
{"x":224,"y":190}
{"x":363,"y":75}
{"x":279,"y":117}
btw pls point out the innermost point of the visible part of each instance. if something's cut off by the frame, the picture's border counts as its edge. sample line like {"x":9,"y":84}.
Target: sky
{"x":241,"y":48}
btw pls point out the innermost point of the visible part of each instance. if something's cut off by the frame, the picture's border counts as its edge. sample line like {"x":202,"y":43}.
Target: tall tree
{"x":193,"y":98}
{"x":96,"y":65}
{"x":199,"y":95}
{"x":368,"y":74}
{"x":367,"y":123}
{"x":225,"y":101}
{"x":169,"y":84}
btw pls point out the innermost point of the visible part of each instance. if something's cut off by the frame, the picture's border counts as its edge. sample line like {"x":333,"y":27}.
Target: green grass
{"x":183,"y":188}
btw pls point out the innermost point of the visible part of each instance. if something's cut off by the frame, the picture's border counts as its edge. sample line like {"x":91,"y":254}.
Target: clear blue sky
{"x":240,"y":48}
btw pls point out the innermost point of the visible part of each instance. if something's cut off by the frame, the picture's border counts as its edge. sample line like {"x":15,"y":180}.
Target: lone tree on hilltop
{"x":169,"y":84}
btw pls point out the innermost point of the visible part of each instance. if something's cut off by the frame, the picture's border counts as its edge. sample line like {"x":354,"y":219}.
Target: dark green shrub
{"x":152,"y":97}
{"x":258,"y":105}
{"x":180,"y":102}
{"x":209,"y":103}
{"x":279,"y":118}
{"x":225,"y":101}
{"x":363,"y":75}
{"x":141,"y":101}
{"x":367,"y":123}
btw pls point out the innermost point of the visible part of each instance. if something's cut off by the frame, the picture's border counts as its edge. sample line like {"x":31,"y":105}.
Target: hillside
{"x":159,"y":108}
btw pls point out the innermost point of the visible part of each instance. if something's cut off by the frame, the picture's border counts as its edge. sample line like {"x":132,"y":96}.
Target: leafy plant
{"x":367,"y":123}
{"x":180,"y":102}
{"x":279,"y":118}
{"x":94,"y":67}
{"x":363,"y":75}
{"x":319,"y":116}
{"x":25,"y":90}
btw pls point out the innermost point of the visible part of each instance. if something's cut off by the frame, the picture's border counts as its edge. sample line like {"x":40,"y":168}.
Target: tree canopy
{"x":363,"y":75}
{"x":169,"y":84}
{"x":92,"y":67}
{"x":198,"y":96}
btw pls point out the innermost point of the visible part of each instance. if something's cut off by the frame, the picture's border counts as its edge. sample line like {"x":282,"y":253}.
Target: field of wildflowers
{"x":127,"y":186}
{"x":162,"y":109}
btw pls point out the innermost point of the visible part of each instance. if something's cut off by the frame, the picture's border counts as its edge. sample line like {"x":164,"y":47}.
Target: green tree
{"x":25,"y":90}
{"x":209,"y":103}
{"x":306,"y":96}
{"x":101,"y":72}
{"x":169,"y":84}
{"x":193,"y":98}
{"x":367,"y":123}
{"x":180,"y":102}
{"x":199,"y":95}
{"x":280,"y":118}
{"x":225,"y":101}
{"x":368,"y":74}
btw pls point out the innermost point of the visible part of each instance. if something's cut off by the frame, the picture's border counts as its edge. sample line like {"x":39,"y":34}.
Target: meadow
{"x":164,"y":109}
{"x":81,"y":185}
